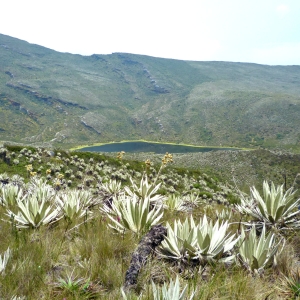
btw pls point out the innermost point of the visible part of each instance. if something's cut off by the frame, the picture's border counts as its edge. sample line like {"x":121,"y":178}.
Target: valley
{"x":64,"y":100}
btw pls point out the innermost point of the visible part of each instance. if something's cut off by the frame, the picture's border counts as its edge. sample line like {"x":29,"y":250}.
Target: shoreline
{"x":80,"y":147}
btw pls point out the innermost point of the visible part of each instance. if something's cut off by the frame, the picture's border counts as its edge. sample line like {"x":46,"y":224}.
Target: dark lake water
{"x":150,"y":147}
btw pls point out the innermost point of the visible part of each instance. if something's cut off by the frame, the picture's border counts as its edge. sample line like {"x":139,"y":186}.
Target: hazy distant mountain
{"x":71,"y":99}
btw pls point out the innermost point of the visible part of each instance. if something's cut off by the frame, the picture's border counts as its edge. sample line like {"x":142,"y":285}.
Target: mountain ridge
{"x":68,"y":99}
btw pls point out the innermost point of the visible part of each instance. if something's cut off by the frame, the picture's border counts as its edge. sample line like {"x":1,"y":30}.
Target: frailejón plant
{"x":70,"y":283}
{"x":9,"y":194}
{"x":145,"y":190}
{"x":33,"y":213}
{"x":224,"y":215}
{"x":275,"y":209}
{"x":213,"y":242}
{"x":257,"y":253}
{"x":4,"y":260}
{"x":180,"y":240}
{"x":171,"y":291}
{"x":193,"y":200}
{"x":112,"y":187}
{"x":39,"y":188}
{"x":174,"y":203}
{"x":73,"y":204}
{"x":18,"y":298}
{"x":205,"y":242}
{"x":131,"y":213}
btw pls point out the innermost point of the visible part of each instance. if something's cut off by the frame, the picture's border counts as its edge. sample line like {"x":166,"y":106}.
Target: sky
{"x":256,"y":31}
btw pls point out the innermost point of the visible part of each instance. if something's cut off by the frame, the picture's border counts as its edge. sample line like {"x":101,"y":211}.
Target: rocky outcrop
{"x":11,"y":75}
{"x":39,"y":96}
{"x":94,"y":121}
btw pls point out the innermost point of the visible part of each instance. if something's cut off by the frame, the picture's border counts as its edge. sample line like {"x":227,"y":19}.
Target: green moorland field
{"x":81,"y":225}
{"x":71,"y":221}
{"x":65,"y":100}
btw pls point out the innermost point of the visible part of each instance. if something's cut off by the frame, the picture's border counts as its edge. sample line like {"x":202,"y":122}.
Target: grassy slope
{"x":95,"y":260}
{"x":66,"y":99}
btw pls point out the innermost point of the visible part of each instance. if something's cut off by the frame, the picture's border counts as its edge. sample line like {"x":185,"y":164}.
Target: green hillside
{"x":66,"y":100}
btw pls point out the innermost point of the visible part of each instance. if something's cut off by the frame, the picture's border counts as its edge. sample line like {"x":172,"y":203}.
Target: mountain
{"x":67,"y":99}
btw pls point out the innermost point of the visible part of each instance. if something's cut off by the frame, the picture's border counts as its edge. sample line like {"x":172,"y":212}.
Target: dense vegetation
{"x":68,"y":229}
{"x":62,"y":99}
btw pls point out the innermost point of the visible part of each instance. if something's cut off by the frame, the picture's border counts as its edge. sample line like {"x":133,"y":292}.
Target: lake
{"x":158,"y":148}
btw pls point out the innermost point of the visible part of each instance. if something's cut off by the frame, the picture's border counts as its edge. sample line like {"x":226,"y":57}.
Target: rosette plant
{"x":193,"y":200}
{"x":275,"y":209}
{"x":213,"y":242}
{"x":179,"y":240}
{"x":145,"y":190}
{"x":32,"y":212}
{"x":4,"y":260}
{"x":74,"y":204}
{"x":174,"y":203}
{"x":205,"y":242}
{"x":112,"y":187}
{"x":225,"y":214}
{"x":171,"y":291}
{"x":39,"y":188}
{"x":256,"y":253}
{"x":9,"y":194}
{"x":131,"y":213}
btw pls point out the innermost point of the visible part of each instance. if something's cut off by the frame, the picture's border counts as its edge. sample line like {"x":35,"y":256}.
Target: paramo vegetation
{"x":70,"y":222}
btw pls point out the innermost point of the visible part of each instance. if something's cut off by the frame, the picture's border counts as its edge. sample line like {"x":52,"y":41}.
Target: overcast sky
{"x":259,"y":31}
